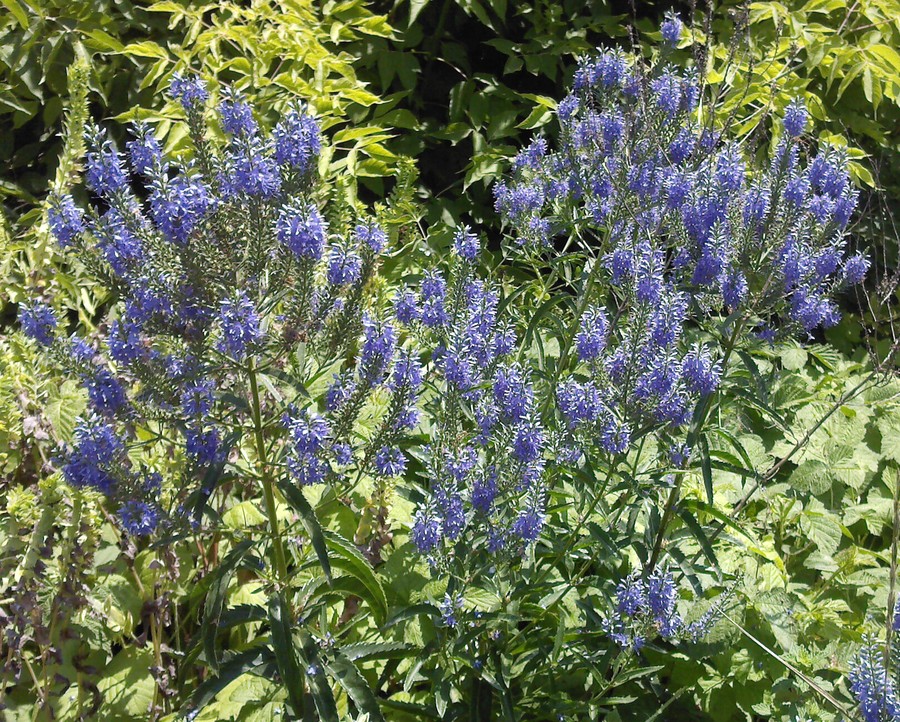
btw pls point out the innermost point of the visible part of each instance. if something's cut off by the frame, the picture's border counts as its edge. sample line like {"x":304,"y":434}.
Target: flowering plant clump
{"x":546,"y":434}
{"x":648,"y":607}
{"x":874,"y":689}
{"x":687,"y":245}
{"x":226,"y":274}
{"x":244,"y":340}
{"x":668,"y":250}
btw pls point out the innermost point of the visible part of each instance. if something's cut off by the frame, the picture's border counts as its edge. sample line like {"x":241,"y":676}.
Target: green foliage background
{"x":458,"y":86}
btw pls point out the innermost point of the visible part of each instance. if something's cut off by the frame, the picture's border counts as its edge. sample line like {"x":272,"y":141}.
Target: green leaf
{"x":372,"y":132}
{"x":65,"y":403}
{"x":823,"y":529}
{"x":345,"y":556}
{"x":813,"y":476}
{"x":358,"y":95}
{"x":282,"y":643}
{"x":17,"y":11}
{"x":536,"y":118}
{"x":415,"y":7}
{"x":793,"y":358}
{"x":698,"y":533}
{"x":146,"y":49}
{"x":319,"y":687}
{"x":379,"y":650}
{"x":105,"y":41}
{"x":215,"y":601}
{"x":706,"y":468}
{"x":127,"y":686}
{"x":411,"y":612}
{"x":349,"y":677}
{"x":889,"y":427}
{"x":310,"y":521}
{"x":243,"y":515}
{"x":241,"y":614}
{"x":700,"y":507}
{"x":255,"y":660}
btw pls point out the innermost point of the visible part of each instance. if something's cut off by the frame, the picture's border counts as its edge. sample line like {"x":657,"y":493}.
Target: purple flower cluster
{"x":178,"y":204}
{"x":344,"y":266}
{"x":145,"y":152}
{"x":97,"y":453}
{"x":303,"y":231}
{"x":689,"y":241}
{"x":38,"y":322}
{"x":189,"y":90}
{"x":104,"y":170}
{"x":874,"y":690}
{"x":671,"y":30}
{"x":250,"y":170}
{"x":308,"y":438}
{"x":98,"y":460}
{"x":466,"y":245}
{"x":390,"y":462}
{"x":646,"y":607}
{"x":405,"y":382}
{"x":377,"y":352}
{"x":222,"y":263}
{"x":679,"y":209}
{"x":138,"y":518}
{"x":240,"y":326}
{"x":486,"y":480}
{"x":297,"y":140}
{"x":65,"y":218}
{"x":236,"y":114}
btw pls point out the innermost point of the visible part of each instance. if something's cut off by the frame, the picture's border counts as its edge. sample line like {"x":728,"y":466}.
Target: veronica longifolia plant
{"x":243,"y":341}
{"x":666,"y":248}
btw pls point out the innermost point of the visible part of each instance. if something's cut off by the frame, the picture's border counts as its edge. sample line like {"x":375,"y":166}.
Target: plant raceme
{"x":250,"y":331}
{"x":875,"y":675}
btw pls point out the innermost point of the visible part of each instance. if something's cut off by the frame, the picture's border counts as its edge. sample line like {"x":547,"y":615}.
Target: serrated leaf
{"x":347,"y":557}
{"x":252,"y":660}
{"x":378,"y":650}
{"x":793,"y":358}
{"x":215,"y":601}
{"x":823,"y":530}
{"x":126,"y":685}
{"x":354,"y":684}
{"x":310,"y":521}
{"x":285,"y":657}
{"x":889,"y":427}
{"x":243,"y":515}
{"x":813,"y":476}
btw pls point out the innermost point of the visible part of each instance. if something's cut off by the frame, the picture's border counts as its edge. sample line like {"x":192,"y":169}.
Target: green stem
{"x":278,"y":554}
